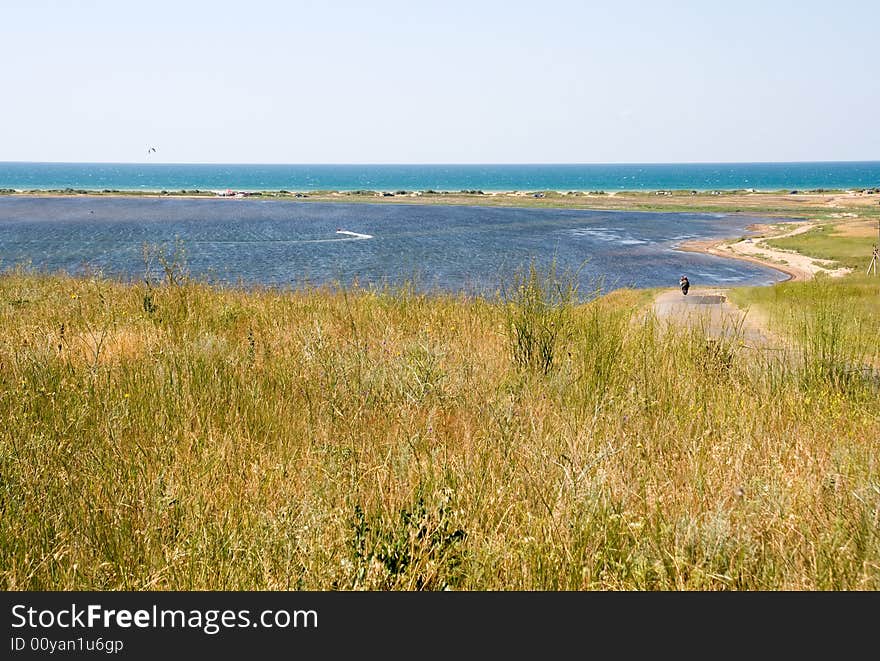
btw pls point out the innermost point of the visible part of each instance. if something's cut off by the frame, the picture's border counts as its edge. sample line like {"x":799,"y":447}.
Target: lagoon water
{"x":466,"y":249}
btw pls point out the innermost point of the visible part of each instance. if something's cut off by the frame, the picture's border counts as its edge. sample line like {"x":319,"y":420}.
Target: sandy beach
{"x":753,"y":249}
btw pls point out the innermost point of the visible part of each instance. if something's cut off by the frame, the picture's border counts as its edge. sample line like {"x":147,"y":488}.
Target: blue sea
{"x":286,"y":243}
{"x":696,"y":176}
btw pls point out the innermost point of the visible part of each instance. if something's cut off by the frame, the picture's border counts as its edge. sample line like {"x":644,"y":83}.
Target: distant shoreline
{"x":397,"y":192}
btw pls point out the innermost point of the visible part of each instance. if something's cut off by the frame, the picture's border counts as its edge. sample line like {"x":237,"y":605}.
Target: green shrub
{"x":538,"y":310}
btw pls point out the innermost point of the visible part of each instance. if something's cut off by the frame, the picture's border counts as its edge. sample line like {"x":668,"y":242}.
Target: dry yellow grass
{"x":862,"y":229}
{"x":223,"y":439}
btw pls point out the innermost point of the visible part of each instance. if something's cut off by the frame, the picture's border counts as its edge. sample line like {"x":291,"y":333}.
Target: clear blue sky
{"x":472,"y":81}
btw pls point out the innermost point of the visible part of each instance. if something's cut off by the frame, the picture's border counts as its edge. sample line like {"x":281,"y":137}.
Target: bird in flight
{"x":151,"y":150}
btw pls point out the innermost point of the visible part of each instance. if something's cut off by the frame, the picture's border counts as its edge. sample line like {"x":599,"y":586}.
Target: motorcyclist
{"x":685,"y":284}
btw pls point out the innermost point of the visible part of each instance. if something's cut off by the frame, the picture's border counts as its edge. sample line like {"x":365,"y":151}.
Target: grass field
{"x":856,"y":298}
{"x":824,"y":242}
{"x":176,"y":436}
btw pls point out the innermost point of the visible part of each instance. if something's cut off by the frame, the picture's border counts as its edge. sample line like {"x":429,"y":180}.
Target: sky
{"x":477,"y":81}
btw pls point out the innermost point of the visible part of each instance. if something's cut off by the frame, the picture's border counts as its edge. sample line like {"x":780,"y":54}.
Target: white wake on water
{"x":356,"y":235}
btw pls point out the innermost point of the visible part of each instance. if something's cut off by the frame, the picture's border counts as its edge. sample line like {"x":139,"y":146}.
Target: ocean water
{"x":698,"y":176}
{"x":468,"y":249}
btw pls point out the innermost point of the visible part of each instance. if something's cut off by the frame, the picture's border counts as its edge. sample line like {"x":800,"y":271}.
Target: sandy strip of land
{"x":754,"y":249}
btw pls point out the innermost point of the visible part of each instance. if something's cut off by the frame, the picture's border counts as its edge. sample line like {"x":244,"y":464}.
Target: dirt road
{"x":710,"y":310}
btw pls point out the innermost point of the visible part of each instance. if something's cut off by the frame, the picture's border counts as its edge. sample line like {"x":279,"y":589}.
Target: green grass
{"x":835,"y":322}
{"x":187,"y":437}
{"x":850,"y":303}
{"x":825,"y":243}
